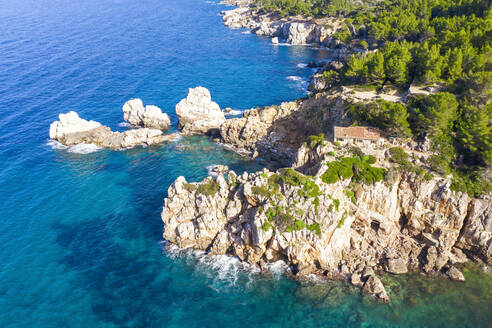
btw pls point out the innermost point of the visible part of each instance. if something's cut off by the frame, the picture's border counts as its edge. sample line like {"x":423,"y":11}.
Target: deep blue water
{"x":80,"y":234}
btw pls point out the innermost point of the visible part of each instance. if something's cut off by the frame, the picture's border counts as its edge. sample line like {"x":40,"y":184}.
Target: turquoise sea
{"x":80,"y":232}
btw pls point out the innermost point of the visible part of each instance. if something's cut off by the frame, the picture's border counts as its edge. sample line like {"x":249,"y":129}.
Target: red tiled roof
{"x":357,"y":132}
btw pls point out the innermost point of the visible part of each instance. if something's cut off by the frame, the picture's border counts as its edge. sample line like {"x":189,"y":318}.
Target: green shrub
{"x":336,"y":202}
{"x":428,"y":176}
{"x":398,"y":155}
{"x":369,"y":159}
{"x":350,"y":194}
{"x":471,"y":182}
{"x":330,"y":153}
{"x":357,"y":151}
{"x":316,"y":228}
{"x":298,"y":225}
{"x":313,"y":141}
{"x":190,"y":187}
{"x":349,"y":167}
{"x":342,"y":220}
{"x":208,"y":188}
{"x":261,"y":191}
{"x":292,"y":177}
{"x":266,"y":226}
{"x":336,"y":143}
{"x":330,"y":176}
{"x":439,"y":165}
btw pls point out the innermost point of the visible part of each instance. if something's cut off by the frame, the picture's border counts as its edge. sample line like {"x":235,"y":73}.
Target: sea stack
{"x":149,"y":116}
{"x":198,"y":114}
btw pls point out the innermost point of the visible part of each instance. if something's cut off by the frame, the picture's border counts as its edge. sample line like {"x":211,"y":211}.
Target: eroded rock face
{"x":149,"y":116}
{"x":198,"y":114}
{"x":476,"y":237}
{"x":301,"y":33}
{"x":71,"y":130}
{"x":294,"y":30}
{"x":277,"y":132}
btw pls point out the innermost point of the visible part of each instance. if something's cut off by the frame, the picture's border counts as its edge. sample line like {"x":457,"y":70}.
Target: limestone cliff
{"x":338,"y":228}
{"x":277,"y":132}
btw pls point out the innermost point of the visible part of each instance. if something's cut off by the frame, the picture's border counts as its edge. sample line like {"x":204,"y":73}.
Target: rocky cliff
{"x":295,"y":30}
{"x":343,"y":229}
{"x":317,"y":217}
{"x":276,"y":132}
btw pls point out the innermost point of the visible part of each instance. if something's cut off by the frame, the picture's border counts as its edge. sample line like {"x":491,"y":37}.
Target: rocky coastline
{"x":346,"y":229}
{"x":296,"y":30}
{"x":338,"y":226}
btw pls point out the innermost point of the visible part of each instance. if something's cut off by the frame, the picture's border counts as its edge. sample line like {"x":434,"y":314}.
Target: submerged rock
{"x":71,"y":130}
{"x":198,"y":114}
{"x":375,"y":287}
{"x":149,"y":116}
{"x":455,"y":274}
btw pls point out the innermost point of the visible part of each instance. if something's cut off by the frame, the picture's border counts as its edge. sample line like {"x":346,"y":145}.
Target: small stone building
{"x":358,"y":135}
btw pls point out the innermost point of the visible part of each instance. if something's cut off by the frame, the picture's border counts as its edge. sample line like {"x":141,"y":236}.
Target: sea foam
{"x":76,"y":149}
{"x":233,"y":112}
{"x":223,"y":270}
{"x":83,"y":148}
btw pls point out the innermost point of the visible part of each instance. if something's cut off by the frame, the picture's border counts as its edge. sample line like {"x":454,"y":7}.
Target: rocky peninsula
{"x":319,"y":220}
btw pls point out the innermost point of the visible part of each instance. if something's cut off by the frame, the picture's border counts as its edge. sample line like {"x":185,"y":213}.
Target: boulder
{"x":198,"y":114}
{"x":149,"y":116}
{"x":355,"y":280}
{"x":396,"y":266}
{"x":275,"y":40}
{"x":375,"y":287}
{"x":455,"y":274}
{"x":317,"y":83}
{"x":219,"y":169}
{"x":68,"y":124}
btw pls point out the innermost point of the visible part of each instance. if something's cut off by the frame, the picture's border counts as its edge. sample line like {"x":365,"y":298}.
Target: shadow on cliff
{"x":316,"y":114}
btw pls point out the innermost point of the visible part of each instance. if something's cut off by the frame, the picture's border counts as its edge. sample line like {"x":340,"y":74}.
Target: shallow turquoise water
{"x":81,"y":233}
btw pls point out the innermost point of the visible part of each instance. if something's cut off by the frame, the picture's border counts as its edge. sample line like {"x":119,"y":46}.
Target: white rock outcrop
{"x":71,"y":130}
{"x":70,"y":123}
{"x":198,"y":114}
{"x":149,"y":116}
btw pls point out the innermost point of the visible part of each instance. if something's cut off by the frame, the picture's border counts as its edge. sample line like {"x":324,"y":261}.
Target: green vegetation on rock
{"x":208,"y":188}
{"x":316,"y":228}
{"x":358,"y":169}
{"x":190,"y":187}
{"x":313,"y":141}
